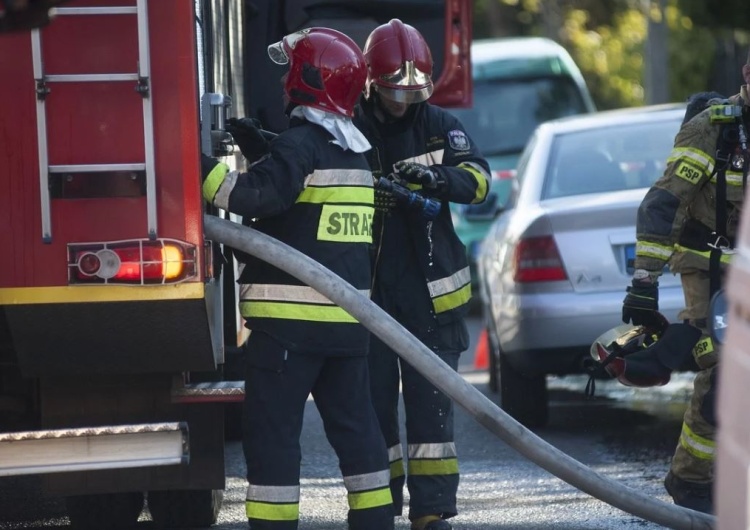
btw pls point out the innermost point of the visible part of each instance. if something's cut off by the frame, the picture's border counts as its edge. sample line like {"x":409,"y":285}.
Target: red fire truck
{"x":118,"y":326}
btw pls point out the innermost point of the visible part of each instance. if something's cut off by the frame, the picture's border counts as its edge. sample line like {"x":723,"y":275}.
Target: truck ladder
{"x":142,"y":80}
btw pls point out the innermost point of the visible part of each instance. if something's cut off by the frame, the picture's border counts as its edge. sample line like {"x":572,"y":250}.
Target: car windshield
{"x":617,"y":157}
{"x":506,"y":112}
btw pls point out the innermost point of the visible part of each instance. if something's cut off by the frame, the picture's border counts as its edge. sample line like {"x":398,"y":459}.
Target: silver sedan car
{"x":555,"y":264}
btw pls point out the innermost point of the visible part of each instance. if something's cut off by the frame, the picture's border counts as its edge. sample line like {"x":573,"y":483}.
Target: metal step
{"x":93,"y":448}
{"x":211,"y":392}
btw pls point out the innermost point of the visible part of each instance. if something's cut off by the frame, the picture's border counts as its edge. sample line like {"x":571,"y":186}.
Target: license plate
{"x":630,"y":259}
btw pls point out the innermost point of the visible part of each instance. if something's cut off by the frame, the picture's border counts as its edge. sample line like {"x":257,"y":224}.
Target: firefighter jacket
{"x":409,"y":245}
{"x":318,"y":198}
{"x":676,"y":221}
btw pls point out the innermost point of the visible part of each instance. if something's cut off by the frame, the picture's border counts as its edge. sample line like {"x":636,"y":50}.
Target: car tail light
{"x":137,"y":261}
{"x":537,"y":259}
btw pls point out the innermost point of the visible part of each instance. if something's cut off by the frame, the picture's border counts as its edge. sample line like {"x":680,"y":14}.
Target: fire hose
{"x":484,"y":411}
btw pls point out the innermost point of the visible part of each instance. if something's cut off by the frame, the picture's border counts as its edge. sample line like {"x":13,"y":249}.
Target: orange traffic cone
{"x":482,"y":353}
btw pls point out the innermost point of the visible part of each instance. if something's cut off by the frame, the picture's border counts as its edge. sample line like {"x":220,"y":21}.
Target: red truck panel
{"x":97,"y":123}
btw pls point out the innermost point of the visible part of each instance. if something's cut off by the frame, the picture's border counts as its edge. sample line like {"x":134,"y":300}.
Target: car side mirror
{"x":718,"y":314}
{"x":484,"y":211}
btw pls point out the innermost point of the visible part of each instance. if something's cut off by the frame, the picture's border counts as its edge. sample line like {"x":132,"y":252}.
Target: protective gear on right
{"x":326,"y":69}
{"x":399,"y":63}
{"x":641,"y":304}
{"x":644,"y":356}
{"x":249,"y":137}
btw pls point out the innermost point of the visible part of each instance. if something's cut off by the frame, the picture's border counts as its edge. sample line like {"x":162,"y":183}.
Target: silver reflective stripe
{"x":339,"y":177}
{"x":733,"y":178}
{"x":221,"y":199}
{"x":699,"y":157}
{"x":286,"y":293}
{"x":395,"y":453}
{"x":444,"y":450}
{"x":367,"y":481}
{"x":275,"y":494}
{"x":428,"y":159}
{"x":479,"y":168}
{"x":450,"y":284}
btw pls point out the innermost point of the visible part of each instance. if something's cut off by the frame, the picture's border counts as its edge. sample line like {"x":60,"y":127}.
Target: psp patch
{"x":458,"y":140}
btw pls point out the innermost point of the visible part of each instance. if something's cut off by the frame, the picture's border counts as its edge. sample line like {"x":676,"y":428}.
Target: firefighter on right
{"x":689,"y":220}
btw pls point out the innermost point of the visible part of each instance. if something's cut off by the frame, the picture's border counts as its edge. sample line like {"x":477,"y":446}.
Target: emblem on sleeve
{"x":458,"y":140}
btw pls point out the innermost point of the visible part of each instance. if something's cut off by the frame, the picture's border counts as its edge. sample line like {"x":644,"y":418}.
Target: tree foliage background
{"x":706,"y":41}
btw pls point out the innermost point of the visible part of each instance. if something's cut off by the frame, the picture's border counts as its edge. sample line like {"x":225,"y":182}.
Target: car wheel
{"x":524,"y":398}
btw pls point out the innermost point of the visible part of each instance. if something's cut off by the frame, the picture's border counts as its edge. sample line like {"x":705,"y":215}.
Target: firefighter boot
{"x":694,"y":495}
{"x":430,"y":522}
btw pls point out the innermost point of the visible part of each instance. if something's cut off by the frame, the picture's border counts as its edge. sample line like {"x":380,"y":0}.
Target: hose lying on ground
{"x":451,"y":383}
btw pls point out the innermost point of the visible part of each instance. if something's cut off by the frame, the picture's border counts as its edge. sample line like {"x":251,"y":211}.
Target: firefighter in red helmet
{"x":421,"y":272}
{"x":313,"y":176}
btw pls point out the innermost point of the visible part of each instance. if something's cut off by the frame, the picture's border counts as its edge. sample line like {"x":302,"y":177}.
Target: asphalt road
{"x":625,"y":434}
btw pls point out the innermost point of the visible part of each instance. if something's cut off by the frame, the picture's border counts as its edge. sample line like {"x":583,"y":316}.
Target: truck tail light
{"x":137,"y":262}
{"x":537,"y":259}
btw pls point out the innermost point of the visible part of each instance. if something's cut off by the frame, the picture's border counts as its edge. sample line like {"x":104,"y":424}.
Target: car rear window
{"x":613,"y":158}
{"x":506,"y":112}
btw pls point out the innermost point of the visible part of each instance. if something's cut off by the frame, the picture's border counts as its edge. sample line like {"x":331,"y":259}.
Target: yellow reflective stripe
{"x":704,"y":347}
{"x":725,"y":258}
{"x":481,"y":177}
{"x":370,"y":499}
{"x":452,"y":300}
{"x":271,"y":512}
{"x":291,"y":311}
{"x":337,"y":195}
{"x":221,"y":199}
{"x":650,"y":249}
{"x":696,"y":157}
{"x":397,"y":469}
{"x":698,"y":446}
{"x":345,"y":224}
{"x":213,"y":181}
{"x":733,"y":178}
{"x":76,"y":294}
{"x":443,"y":466}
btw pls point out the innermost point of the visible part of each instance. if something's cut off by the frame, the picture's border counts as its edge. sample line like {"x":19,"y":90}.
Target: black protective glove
{"x":207,"y":165}
{"x":641,"y":304}
{"x":419,"y":174}
{"x":253,"y":142}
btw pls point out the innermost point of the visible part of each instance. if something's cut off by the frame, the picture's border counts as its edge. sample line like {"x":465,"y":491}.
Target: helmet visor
{"x":404,"y":95}
{"x":277,"y":51}
{"x":277,"y":54}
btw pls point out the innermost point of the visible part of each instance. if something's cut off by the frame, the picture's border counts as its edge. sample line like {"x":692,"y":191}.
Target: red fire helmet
{"x":326,"y":69}
{"x":399,"y":63}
